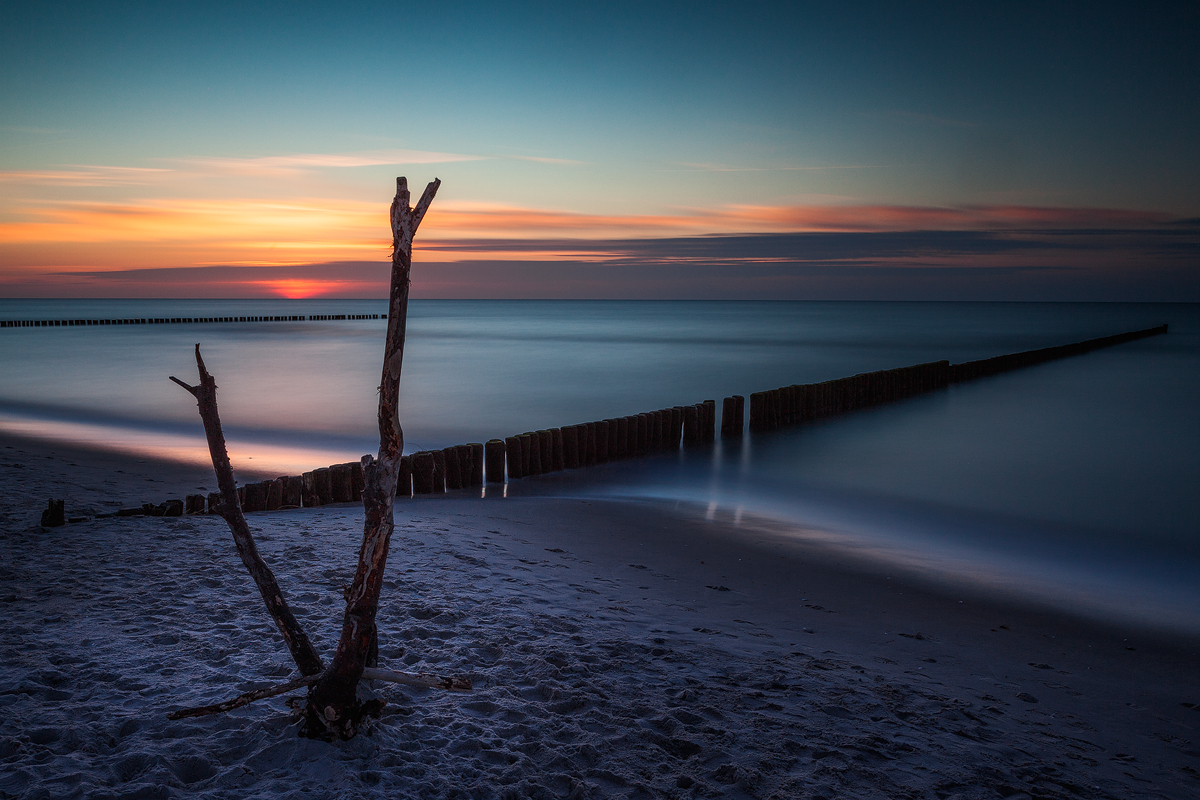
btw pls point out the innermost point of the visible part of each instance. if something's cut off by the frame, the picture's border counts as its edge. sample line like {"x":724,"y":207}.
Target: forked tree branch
{"x":302,"y":650}
{"x":332,"y":708}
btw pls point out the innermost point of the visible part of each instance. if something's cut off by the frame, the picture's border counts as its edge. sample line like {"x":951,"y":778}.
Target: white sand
{"x":604,"y":664}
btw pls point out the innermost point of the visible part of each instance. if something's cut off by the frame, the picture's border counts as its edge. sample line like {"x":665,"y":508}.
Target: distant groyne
{"x":71,"y":323}
{"x":469,"y":466}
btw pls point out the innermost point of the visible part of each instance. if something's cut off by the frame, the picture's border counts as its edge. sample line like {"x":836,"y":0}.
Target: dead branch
{"x":244,"y":699}
{"x":424,"y":681}
{"x":302,"y":650}
{"x":333,"y":708}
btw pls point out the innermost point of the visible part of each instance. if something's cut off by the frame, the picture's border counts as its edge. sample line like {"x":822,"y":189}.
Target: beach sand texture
{"x":617,"y":650}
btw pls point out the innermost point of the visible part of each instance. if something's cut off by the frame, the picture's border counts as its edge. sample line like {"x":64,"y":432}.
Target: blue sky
{"x":666,"y":121}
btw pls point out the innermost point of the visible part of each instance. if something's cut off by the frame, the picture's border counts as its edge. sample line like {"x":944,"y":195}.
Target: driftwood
{"x":369,"y":673}
{"x":302,"y":650}
{"x":333,"y":708}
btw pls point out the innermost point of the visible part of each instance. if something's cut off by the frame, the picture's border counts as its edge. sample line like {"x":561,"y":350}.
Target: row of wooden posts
{"x":68,"y":323}
{"x":467,"y":466}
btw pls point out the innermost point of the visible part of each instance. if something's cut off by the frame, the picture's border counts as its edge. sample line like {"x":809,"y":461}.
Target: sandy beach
{"x":618,"y":649}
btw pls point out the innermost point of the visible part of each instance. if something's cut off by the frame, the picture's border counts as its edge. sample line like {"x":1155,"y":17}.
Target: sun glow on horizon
{"x":300,"y":289}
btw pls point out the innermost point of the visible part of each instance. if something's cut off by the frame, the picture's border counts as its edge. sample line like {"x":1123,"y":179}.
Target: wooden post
{"x":601,"y":441}
{"x":466,"y":465}
{"x":293,"y":488}
{"x":453,"y":470}
{"x":676,"y":436}
{"x":494,"y":453}
{"x":691,"y":426}
{"x":570,"y":437}
{"x":558,"y":462}
{"x":357,"y":481}
{"x":512,"y":449}
{"x":308,"y":490}
{"x":476,"y":449}
{"x":423,"y":470}
{"x":732,"y":424}
{"x":708,"y":433}
{"x":546,"y":444}
{"x":404,"y":477}
{"x":323,"y":485}
{"x":194,"y":504}
{"x":621,"y":442}
{"x":274,"y":494}
{"x":339,"y":483}
{"x":588,"y":451}
{"x":439,"y":471}
{"x":531,"y":451}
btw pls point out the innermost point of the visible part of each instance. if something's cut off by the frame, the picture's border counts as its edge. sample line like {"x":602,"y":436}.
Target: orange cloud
{"x":77,"y":235}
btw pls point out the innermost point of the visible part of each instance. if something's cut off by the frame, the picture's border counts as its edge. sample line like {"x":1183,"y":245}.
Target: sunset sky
{"x":660,"y":150}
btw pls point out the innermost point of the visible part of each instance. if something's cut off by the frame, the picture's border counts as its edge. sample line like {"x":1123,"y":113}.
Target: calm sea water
{"x":1070,"y":483}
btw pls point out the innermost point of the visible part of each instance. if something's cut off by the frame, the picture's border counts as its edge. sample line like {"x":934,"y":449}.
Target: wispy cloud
{"x":566,"y":162}
{"x":283,"y":164}
{"x":84,"y":175}
{"x":703,"y":167}
{"x":1031,"y":265}
{"x":191,"y":232}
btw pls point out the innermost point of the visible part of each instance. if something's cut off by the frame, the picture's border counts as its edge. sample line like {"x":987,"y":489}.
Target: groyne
{"x":71,"y":323}
{"x":474,"y":465}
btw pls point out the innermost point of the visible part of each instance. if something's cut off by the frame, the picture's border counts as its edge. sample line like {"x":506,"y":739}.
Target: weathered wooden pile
{"x":797,"y":404}
{"x":70,"y":323}
{"x":468,"y":466}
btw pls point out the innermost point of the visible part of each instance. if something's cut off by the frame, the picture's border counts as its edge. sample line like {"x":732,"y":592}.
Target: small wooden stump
{"x":214,"y":500}
{"x":194,"y":504}
{"x":55,"y":514}
{"x":357,"y":480}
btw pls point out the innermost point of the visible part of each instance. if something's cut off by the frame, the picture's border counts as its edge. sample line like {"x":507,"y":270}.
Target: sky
{"x":1033,"y":151}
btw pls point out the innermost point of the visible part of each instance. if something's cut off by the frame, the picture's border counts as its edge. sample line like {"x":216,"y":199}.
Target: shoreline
{"x":618,"y":648}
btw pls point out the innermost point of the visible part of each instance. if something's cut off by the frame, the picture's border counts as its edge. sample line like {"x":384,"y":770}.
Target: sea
{"x":1070,"y":485}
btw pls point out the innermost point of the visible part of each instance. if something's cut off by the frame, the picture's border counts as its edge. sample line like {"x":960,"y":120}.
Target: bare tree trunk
{"x":333,"y":708}
{"x":302,"y":650}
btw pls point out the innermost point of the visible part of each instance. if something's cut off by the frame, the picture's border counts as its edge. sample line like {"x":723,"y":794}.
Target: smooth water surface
{"x":1070,"y":483}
